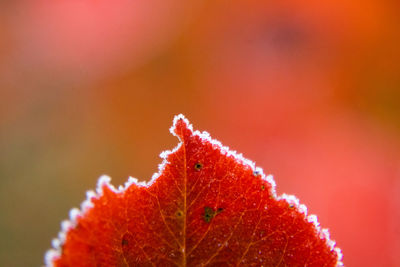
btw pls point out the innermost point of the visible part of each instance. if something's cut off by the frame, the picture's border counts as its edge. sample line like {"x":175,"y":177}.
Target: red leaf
{"x":206,"y":206}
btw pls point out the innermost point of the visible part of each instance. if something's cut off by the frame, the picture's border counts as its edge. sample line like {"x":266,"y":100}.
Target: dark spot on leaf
{"x":198,"y":166}
{"x":262,"y":187}
{"x":256,"y":173}
{"x":126,"y":238}
{"x":291,"y":206}
{"x":124,"y":242}
{"x":179,"y":214}
{"x":209,"y":213}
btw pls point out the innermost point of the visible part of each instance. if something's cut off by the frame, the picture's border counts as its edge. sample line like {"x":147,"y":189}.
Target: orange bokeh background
{"x":308,"y":90}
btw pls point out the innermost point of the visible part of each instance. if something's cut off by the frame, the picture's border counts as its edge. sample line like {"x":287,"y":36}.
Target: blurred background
{"x":309,"y":90}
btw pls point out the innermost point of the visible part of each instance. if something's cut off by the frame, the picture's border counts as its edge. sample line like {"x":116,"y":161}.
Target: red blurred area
{"x":87,"y":38}
{"x":310,"y":91}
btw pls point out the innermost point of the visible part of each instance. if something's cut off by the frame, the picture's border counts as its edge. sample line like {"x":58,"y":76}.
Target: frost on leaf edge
{"x":104,"y":180}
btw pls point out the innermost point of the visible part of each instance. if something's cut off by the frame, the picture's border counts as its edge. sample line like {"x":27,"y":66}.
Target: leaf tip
{"x":181,"y":126}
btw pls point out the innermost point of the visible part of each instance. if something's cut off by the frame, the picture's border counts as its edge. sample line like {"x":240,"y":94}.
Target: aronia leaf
{"x":207,"y":206}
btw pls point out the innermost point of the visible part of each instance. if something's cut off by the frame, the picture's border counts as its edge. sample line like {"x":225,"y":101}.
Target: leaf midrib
{"x":184,"y":199}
